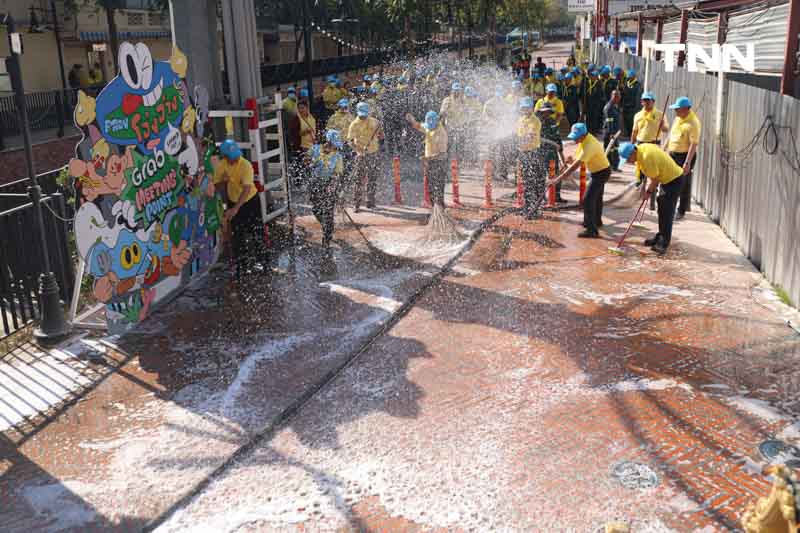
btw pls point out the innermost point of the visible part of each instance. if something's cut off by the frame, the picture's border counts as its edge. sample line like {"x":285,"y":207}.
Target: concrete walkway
{"x":543,"y":385}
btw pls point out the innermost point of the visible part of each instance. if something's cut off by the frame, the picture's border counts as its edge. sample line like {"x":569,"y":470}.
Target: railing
{"x":21,"y":259}
{"x":15,"y":193}
{"x":46,"y":110}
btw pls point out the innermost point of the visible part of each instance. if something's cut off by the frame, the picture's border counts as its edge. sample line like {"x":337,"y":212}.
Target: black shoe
{"x":588,"y":235}
{"x":370,"y":206}
{"x":357,"y":209}
{"x":652,"y":241}
{"x":679,"y":215}
{"x":600,"y":224}
{"x":659,"y":248}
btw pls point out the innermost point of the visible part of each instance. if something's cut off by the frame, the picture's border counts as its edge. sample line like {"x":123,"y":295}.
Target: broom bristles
{"x":629,"y":198}
{"x":441,"y":227}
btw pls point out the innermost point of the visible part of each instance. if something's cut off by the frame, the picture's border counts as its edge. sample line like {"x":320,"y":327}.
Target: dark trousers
{"x":627,"y":120}
{"x":322,"y":205}
{"x":437,"y":177}
{"x":501,"y":154}
{"x":686,"y":193}
{"x":667,"y":199}
{"x":593,"y":200}
{"x":365,"y":172}
{"x":246,"y":234}
{"x":613,"y":155}
{"x":534,"y":177}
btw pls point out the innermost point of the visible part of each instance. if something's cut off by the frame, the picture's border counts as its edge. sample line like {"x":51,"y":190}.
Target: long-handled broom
{"x":618,"y":248}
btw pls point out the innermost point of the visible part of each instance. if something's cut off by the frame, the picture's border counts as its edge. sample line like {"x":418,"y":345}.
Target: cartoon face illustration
{"x":128,"y":258}
{"x":137,"y":106}
{"x":85,"y":110}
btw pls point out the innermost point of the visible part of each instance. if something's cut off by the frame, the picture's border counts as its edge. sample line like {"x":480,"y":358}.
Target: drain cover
{"x":633,"y":475}
{"x":779,"y":451}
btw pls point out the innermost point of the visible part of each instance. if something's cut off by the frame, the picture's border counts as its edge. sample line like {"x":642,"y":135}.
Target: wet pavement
{"x":541,"y":385}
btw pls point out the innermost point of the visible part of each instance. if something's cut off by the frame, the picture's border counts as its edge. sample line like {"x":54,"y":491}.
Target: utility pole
{"x":53,"y":324}
{"x":307,"y":44}
{"x":63,"y":104}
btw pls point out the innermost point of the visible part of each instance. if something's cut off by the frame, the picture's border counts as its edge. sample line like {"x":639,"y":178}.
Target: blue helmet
{"x":625,"y":151}
{"x":551,"y":88}
{"x":647,"y":95}
{"x":526,"y":102}
{"x":456,"y":86}
{"x":681,"y":103}
{"x":362,"y":109}
{"x":431,"y":120}
{"x":343,"y":103}
{"x":230,"y":150}
{"x":605,"y":70}
{"x":332,"y":136}
{"x":631,"y":73}
{"x":578,"y":130}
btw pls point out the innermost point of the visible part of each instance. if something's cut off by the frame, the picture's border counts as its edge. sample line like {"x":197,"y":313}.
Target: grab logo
{"x":718,"y":61}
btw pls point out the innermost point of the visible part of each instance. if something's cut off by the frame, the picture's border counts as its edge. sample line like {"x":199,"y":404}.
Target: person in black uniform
{"x":631,"y":95}
{"x":595,"y":100}
{"x":572,"y":99}
{"x":611,"y":112}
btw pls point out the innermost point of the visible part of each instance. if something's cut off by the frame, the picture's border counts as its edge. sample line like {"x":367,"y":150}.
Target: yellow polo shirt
{"x":684,"y":132}
{"x":331,"y":97}
{"x":308,"y":128}
{"x":646,"y":122}
{"x":340,"y":121}
{"x":529,"y":132}
{"x":452,"y":111}
{"x":435,"y":141}
{"x":361,"y":131}
{"x":555,"y":101}
{"x":236,"y":175}
{"x":656,"y":164}
{"x":591,"y":152}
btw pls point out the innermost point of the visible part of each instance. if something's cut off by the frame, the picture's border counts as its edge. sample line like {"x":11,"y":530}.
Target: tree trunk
{"x":113,"y":36}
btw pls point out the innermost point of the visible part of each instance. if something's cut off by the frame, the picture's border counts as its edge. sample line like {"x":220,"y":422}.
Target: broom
{"x":440,"y":228}
{"x":617,"y":250}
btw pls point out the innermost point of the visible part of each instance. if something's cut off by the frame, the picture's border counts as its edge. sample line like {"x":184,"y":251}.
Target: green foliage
{"x":783,"y":295}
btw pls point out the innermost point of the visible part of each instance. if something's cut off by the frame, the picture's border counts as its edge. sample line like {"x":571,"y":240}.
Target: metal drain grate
{"x":632,"y":475}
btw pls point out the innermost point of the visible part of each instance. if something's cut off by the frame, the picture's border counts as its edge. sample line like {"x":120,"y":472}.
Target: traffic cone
{"x":520,"y":187}
{"x":454,"y":173}
{"x":488,"y":171}
{"x":582,"y":190}
{"x":551,"y":191}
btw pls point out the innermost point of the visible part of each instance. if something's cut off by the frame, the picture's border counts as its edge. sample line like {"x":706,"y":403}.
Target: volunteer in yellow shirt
{"x":244,"y":211}
{"x":555,"y":101}
{"x":683,"y":140}
{"x":590,"y":151}
{"x":652,"y":162}
{"x":452,"y":114}
{"x":529,"y":138}
{"x":647,"y":121}
{"x":308,"y":126}
{"x":435,"y":153}
{"x":364,"y":135}
{"x":331,"y":95}
{"x":340,"y":121}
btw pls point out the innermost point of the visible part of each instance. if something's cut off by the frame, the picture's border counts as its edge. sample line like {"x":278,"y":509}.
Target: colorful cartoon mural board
{"x":148,"y":216}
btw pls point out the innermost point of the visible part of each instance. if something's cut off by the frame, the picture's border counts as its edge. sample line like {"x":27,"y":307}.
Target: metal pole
{"x":53,"y":325}
{"x":307,"y":44}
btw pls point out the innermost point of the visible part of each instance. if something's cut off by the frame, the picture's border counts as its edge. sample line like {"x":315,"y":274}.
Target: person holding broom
{"x":435,"y":158}
{"x":551,"y":148}
{"x":652,"y":162}
{"x":364,"y":135}
{"x":590,"y":151}
{"x":327,"y":167}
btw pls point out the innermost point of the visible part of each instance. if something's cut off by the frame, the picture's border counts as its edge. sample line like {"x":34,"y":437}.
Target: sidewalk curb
{"x":294,"y":408}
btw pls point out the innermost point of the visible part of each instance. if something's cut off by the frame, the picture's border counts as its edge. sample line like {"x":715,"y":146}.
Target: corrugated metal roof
{"x":702,"y":32}
{"x":765,"y":28}
{"x":671,"y":33}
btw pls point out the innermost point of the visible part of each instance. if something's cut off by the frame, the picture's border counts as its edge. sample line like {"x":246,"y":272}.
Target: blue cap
{"x":291,"y":90}
{"x":576,"y":70}
{"x":526,"y":102}
{"x":681,"y":103}
{"x":617,"y":71}
{"x":304,"y":93}
{"x":498,"y":90}
{"x":332,"y":136}
{"x":647,"y":95}
{"x":367,"y":77}
{"x":431,"y":120}
{"x":578,"y":130}
{"x":344,"y":102}
{"x":631,"y":73}
{"x":625,"y":151}
{"x":331,"y":79}
{"x":362,"y":109}
{"x":592,"y":66}
{"x":548,"y":70}
{"x":516,"y":84}
{"x":469,"y":91}
{"x":605,"y":70}
{"x":373,"y":90}
{"x":568,"y":76}
{"x":230,"y":149}
{"x":551,"y":88}
{"x":360,"y":89}
{"x":456,"y":86}
{"x":563,"y":70}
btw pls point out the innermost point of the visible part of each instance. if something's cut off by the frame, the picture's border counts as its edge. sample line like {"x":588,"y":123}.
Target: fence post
{"x":59,"y":112}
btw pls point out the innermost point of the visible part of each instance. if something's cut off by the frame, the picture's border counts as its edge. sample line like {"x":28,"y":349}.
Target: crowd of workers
{"x":474,"y":113}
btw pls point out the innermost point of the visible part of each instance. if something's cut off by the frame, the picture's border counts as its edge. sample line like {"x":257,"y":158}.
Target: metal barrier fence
{"x":746,"y":176}
{"x":46,"y":110}
{"x":21,"y":259}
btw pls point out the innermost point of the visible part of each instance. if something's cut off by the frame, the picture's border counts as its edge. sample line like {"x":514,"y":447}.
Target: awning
{"x":102,"y":36}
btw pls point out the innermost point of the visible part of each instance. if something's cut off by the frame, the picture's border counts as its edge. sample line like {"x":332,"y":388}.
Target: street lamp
{"x":53,"y":324}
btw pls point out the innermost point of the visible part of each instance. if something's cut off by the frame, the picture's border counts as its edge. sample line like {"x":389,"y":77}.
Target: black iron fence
{"x":46,"y":110}
{"x":21,"y":261}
